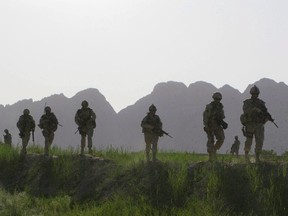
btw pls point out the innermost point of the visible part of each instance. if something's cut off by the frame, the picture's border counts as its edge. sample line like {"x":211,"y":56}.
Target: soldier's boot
{"x":82,"y":151}
{"x":90,"y":151}
{"x":247,"y":160}
{"x":257,"y":157}
{"x":215,"y":154}
{"x":23,"y":151}
{"x":210,"y":156}
{"x":154,"y":157}
{"x":46,"y":150}
{"x":147,"y":157}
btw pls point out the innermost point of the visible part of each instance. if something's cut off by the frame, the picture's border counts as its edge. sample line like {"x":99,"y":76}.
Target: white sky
{"x":125,"y":47}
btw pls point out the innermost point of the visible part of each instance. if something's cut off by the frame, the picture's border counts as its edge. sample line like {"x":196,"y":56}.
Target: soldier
{"x":253,"y":119}
{"x":85,"y":118}
{"x":214,"y":124}
{"x":7,"y":138}
{"x":26,"y":124}
{"x":48,"y":123}
{"x":235,"y":147}
{"x":152,"y":129}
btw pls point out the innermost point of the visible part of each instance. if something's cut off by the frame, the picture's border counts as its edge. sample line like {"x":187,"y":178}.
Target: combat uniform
{"x":214,"y":124}
{"x":152,"y":129}
{"x":26,"y":125}
{"x":254,"y":117}
{"x":85,"y":118}
{"x":7,"y":138}
{"x":49,"y":124}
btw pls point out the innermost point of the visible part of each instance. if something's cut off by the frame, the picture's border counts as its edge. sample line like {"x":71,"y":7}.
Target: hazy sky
{"x":125,"y":47}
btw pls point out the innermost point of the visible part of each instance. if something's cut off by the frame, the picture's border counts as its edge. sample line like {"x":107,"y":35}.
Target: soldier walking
{"x":152,"y":129}
{"x":213,"y":119}
{"x":48,"y":123}
{"x":253,"y":119}
{"x":7,"y":138}
{"x":235,"y":147}
{"x":26,"y":125}
{"x":85,"y":118}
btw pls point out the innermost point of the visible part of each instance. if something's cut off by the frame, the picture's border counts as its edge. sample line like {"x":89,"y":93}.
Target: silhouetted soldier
{"x":85,"y":118}
{"x":235,"y":147}
{"x":25,"y":124}
{"x":152,"y":129}
{"x":214,"y":124}
{"x":48,"y":123}
{"x":7,"y":138}
{"x":253,"y":119}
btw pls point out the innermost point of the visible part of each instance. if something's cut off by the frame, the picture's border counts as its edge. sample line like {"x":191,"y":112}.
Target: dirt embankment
{"x":241,"y":187}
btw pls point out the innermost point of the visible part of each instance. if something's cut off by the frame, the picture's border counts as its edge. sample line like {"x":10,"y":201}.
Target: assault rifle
{"x":269,"y":117}
{"x":33,"y":138}
{"x":166,"y":133}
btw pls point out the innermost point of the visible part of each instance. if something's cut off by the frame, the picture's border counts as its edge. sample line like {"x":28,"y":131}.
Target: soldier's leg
{"x":259,"y":139}
{"x":220,"y":137}
{"x":154,"y":147}
{"x":83,"y":143}
{"x":148,"y":141}
{"x":25,"y":141}
{"x":210,"y":144}
{"x":46,"y":147}
{"x":248,"y":141}
{"x":48,"y":142}
{"x":90,"y":135}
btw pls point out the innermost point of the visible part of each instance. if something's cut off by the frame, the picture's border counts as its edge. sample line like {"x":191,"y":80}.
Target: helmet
{"x":152,"y":108}
{"x":26,"y":112}
{"x":217,"y":96}
{"x":236,"y":137}
{"x":6,"y":131}
{"x":254,"y":90}
{"x":84,"y":103}
{"x":47,"y":109}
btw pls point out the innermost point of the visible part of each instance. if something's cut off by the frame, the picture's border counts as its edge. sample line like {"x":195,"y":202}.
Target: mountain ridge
{"x":179,"y":106}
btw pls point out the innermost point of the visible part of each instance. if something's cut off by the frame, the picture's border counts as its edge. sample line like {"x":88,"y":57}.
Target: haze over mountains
{"x":180,"y":108}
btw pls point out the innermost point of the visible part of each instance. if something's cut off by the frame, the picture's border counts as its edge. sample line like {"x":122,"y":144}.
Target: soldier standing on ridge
{"x":152,"y":129}
{"x":85,"y":118}
{"x":214,"y":124}
{"x":7,"y":138}
{"x":253,"y":119}
{"x":48,"y":123}
{"x":235,"y":147}
{"x":25,"y":124}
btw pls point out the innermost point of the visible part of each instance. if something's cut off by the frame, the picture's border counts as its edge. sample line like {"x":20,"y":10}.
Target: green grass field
{"x":115,"y":182}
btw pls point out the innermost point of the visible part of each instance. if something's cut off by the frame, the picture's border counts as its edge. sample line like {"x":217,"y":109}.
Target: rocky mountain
{"x":180,"y":108}
{"x":64,"y":108}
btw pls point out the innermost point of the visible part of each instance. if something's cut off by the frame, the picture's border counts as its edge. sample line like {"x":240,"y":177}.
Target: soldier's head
{"x":217,"y":96}
{"x":47,"y":109}
{"x":84,"y":104}
{"x":26,"y":112}
{"x":152,"y":108}
{"x":254,"y":91}
{"x":236,"y":137}
{"x":6,"y":131}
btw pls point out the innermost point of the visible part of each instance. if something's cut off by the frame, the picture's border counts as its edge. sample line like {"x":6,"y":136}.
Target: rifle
{"x":60,"y":125}
{"x":244,"y":131}
{"x":269,"y":117}
{"x":33,"y":139}
{"x":274,"y":123}
{"x":164,"y":132}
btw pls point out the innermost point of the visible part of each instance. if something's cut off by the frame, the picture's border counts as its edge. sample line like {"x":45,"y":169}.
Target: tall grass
{"x":180,"y":183}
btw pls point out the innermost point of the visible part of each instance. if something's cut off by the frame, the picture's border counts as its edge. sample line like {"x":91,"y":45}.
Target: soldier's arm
{"x":93,"y":115}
